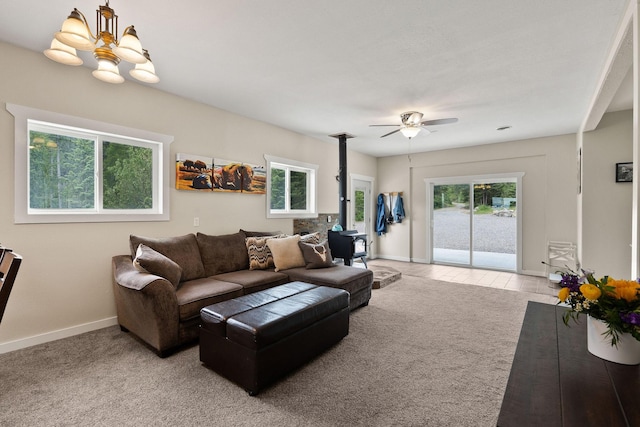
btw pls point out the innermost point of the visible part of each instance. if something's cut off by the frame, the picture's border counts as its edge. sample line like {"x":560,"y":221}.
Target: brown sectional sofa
{"x":197,"y":270}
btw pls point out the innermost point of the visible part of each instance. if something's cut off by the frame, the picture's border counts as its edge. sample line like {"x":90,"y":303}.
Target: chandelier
{"x":107,"y":49}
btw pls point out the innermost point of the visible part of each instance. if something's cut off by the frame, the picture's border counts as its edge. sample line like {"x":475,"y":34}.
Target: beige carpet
{"x":423,"y":353}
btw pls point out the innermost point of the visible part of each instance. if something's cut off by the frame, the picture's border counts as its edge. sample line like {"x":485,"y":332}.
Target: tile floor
{"x":473,"y":276}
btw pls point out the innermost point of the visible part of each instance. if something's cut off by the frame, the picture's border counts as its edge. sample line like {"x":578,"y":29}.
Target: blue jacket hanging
{"x":381,"y":219}
{"x":398,"y":210}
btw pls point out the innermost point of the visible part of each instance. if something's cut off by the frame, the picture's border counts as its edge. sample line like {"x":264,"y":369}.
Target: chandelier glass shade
{"x":63,"y":53}
{"x":107,"y":49}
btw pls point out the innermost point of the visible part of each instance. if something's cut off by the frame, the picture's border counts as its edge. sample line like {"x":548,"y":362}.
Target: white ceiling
{"x":331,"y":66}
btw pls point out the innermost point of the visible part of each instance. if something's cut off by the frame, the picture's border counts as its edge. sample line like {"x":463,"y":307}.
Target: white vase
{"x":627,"y":351}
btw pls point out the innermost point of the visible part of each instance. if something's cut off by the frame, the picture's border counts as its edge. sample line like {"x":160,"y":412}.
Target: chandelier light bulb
{"x":145,"y":72}
{"x":75,"y":32}
{"x":107,"y":72}
{"x":129,"y":48}
{"x":62,"y":53}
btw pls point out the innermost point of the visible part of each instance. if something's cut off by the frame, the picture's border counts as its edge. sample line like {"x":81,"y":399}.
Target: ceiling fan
{"x":412,"y":124}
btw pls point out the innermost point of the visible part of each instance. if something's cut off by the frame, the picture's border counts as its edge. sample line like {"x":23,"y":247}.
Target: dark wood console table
{"x":555,"y":381}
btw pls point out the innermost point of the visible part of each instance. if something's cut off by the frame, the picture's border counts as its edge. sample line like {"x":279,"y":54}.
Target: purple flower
{"x":630,"y":318}
{"x":570,"y":281}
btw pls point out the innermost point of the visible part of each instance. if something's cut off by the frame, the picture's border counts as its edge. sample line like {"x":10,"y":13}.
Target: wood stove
{"x":347,"y":245}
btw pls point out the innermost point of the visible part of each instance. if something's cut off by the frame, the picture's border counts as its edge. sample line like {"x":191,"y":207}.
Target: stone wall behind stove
{"x":321,"y":224}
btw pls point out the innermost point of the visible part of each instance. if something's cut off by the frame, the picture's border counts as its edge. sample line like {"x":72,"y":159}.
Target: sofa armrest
{"x":125,"y":274}
{"x":146,"y":304}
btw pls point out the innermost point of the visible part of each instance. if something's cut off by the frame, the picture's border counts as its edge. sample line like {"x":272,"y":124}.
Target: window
{"x":291,"y":188}
{"x":75,"y":170}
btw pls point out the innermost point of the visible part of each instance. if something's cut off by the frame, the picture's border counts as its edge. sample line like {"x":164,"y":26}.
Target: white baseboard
{"x":393,"y":258}
{"x":534,"y":273}
{"x":425,"y":261}
{"x":56,"y":335}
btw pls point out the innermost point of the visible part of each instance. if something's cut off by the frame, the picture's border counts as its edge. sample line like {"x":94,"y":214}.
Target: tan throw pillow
{"x":260,"y":257}
{"x":286,"y":252}
{"x":316,"y":255}
{"x":149,"y":261}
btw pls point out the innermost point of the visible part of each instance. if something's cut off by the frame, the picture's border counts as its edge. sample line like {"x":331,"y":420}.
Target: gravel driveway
{"x":491,"y":233}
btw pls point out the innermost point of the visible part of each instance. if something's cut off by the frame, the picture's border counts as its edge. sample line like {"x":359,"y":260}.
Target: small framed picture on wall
{"x":624,"y":172}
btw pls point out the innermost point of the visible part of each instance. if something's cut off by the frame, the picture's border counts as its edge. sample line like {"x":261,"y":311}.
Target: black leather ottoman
{"x":255,"y":339}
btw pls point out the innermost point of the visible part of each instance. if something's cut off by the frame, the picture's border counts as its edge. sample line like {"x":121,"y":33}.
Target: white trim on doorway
{"x":369,"y":208}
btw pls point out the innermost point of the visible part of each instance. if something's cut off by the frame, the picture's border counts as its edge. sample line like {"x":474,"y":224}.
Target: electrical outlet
{"x":329,"y":218}
{"x":196,"y":222}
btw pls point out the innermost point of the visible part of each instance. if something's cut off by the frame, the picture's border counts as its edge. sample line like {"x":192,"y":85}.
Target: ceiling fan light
{"x":129,"y":48}
{"x":107,"y":72}
{"x":75,"y":32}
{"x":62,"y":53}
{"x":410,"y":131}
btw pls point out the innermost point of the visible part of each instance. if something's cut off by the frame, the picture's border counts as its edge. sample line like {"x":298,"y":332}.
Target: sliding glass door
{"x":474,"y":222}
{"x":451,"y":224}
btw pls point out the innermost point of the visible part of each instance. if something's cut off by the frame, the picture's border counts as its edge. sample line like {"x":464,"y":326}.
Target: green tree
{"x":298,"y":186}
{"x":61,"y":172}
{"x":127,"y":176}
{"x":359,"y":206}
{"x":449,"y":194}
{"x":277,"y":188}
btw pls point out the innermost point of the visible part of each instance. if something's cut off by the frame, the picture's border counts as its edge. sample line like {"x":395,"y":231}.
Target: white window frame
{"x":312,"y":188}
{"x":23,"y":214}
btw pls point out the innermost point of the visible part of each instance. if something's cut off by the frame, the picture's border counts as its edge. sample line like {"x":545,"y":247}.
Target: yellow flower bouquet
{"x":615,"y":302}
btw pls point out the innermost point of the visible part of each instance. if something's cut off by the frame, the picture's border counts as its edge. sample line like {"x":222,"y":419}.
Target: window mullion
{"x":287,"y":189}
{"x":98,"y":175}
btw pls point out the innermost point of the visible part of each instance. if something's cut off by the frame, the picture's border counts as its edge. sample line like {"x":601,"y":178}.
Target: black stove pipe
{"x":342,"y":178}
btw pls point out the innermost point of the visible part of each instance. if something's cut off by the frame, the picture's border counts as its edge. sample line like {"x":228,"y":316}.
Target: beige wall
{"x":548,"y":210}
{"x":64,"y":285}
{"x":607,"y":205}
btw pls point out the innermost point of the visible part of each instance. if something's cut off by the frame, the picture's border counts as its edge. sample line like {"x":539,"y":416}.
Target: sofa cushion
{"x":286,"y":252}
{"x":224,"y":253}
{"x":254,"y":280}
{"x":351,"y":279}
{"x":193,"y":295}
{"x":183,"y":250}
{"x":149,"y":261}
{"x":316,"y":255}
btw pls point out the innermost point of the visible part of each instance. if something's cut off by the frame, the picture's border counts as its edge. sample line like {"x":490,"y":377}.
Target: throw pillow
{"x":183,"y":250}
{"x":260,"y":233}
{"x":311,"y":238}
{"x":149,"y":261}
{"x":260,"y":256}
{"x":316,"y":255}
{"x":223,"y":253}
{"x":286,"y":252}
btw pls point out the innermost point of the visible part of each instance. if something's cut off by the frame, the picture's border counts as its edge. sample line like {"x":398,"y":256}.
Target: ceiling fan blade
{"x":390,"y":133}
{"x":384,"y":125}
{"x":439,"y":122}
